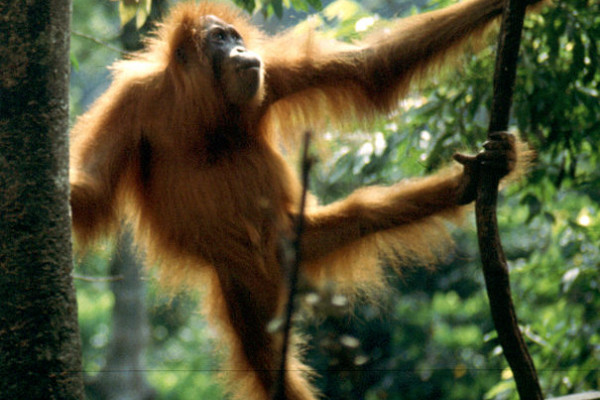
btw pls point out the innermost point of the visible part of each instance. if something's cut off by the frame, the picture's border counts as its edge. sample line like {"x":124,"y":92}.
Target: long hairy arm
{"x":306,"y":75}
{"x":406,"y":221}
{"x":375,"y":209}
{"x":102,"y":149}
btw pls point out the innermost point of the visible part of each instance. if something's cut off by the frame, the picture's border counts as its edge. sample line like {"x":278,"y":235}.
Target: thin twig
{"x":293,"y":273}
{"x":95,"y":279}
{"x":495,"y":268}
{"x":100,"y":42}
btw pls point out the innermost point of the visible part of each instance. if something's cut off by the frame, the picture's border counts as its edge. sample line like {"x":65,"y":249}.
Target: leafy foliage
{"x":276,"y":7}
{"x":130,"y":9}
{"x":443,"y":343}
{"x":431,"y":337}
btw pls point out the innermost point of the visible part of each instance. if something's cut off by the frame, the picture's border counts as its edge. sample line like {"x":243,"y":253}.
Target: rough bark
{"x":40,"y":350}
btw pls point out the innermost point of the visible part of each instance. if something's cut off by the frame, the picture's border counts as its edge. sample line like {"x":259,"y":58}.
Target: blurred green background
{"x":431,"y":336}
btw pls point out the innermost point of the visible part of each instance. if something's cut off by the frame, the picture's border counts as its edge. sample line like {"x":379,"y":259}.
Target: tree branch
{"x":495,"y":268}
{"x":292,"y":272}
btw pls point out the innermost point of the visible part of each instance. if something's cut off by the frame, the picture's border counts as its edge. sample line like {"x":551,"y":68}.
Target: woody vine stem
{"x":495,"y":268}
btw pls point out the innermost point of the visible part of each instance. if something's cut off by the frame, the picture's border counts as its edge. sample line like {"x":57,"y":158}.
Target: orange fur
{"x":143,"y":152}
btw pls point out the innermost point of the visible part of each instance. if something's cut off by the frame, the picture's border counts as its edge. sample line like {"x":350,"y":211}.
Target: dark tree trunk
{"x":40,"y":349}
{"x":495,"y":267}
{"x":122,"y":377}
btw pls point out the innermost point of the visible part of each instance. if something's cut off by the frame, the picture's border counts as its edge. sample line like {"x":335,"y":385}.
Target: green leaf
{"x":248,"y":5}
{"x":277,"y":7}
{"x":141,"y":17}
{"x":316,"y":4}
{"x":592,"y":69}
{"x":127,"y":11}
{"x":74,"y":61}
{"x":577,"y":63}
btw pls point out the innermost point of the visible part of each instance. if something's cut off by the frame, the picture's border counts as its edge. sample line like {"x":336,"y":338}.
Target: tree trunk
{"x":123,"y":376}
{"x":40,"y":349}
